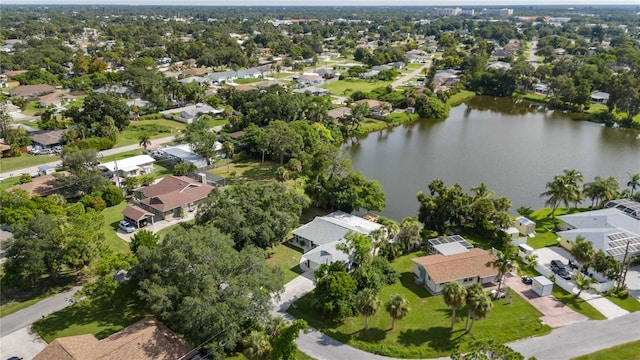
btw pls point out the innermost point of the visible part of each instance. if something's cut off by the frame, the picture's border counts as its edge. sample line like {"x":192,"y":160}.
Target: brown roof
{"x":236,"y":134}
{"x":42,"y":185}
{"x":443,"y":268}
{"x":135,"y":213}
{"x":197,"y":71}
{"x":32,"y":90}
{"x":15,"y":72}
{"x":244,"y":87}
{"x":51,"y":137}
{"x":371,"y":103}
{"x":146,"y":339}
{"x":51,"y":98}
{"x":339,"y":112}
{"x":173,"y":192}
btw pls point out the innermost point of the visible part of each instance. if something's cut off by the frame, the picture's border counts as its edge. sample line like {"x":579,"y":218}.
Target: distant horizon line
{"x":161,"y":3}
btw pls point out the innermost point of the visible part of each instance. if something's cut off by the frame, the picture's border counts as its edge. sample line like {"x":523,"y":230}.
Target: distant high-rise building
{"x":448,"y":11}
{"x":498,"y":12}
{"x":469,"y":12}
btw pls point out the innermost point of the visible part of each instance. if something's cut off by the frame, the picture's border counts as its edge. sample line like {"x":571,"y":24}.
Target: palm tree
{"x":144,"y":141}
{"x":501,"y":220}
{"x":480,"y":307}
{"x":367,"y":304}
{"x":398,"y":308}
{"x":504,"y":263}
{"x":473,"y":292}
{"x":582,"y":283}
{"x":378,"y":238}
{"x":409,"y":234}
{"x":601,"y":190}
{"x":574,"y":179}
{"x":454,"y":296}
{"x":634,"y":182}
{"x":481,"y":191}
{"x":558,"y":191}
{"x":583,"y":251}
{"x":228,"y":150}
{"x":257,"y":345}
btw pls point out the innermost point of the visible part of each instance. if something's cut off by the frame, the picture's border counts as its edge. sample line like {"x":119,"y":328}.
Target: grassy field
{"x":13,"y":300}
{"x":7,"y":183}
{"x":25,"y":160}
{"x":286,"y":258}
{"x":247,"y":81}
{"x":628,"y":351}
{"x":247,"y":170}
{"x":425,"y":332}
{"x":544,"y":237}
{"x":111,"y":218}
{"x":340,"y":87}
{"x":460,"y":97}
{"x":96,"y":317}
{"x":156,"y":128}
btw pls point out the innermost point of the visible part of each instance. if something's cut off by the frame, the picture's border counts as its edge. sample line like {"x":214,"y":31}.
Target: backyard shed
{"x":525,"y":226}
{"x":542,"y":286}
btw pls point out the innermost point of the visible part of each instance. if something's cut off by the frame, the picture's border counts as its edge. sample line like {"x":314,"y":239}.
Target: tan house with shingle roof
{"x":172,"y":196}
{"x":467,"y":267}
{"x":32,"y":91}
{"x":146,"y":339}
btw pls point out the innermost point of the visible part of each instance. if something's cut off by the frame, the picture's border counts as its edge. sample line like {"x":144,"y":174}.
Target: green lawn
{"x":628,"y":351}
{"x":577,"y":304}
{"x":240,"y":356}
{"x":31,"y":108}
{"x":630,"y":303}
{"x":122,"y":155}
{"x":339,"y":87}
{"x":25,"y":160}
{"x":412,"y":66}
{"x":13,"y":300}
{"x":77,"y":102}
{"x":7,"y":183}
{"x":280,"y":75}
{"x":246,"y":170}
{"x":111,"y":218}
{"x":460,"y":97}
{"x":544,"y":237}
{"x":96,"y":317}
{"x":247,"y":81}
{"x":425,"y":332}
{"x":286,"y":258}
{"x":156,"y":128}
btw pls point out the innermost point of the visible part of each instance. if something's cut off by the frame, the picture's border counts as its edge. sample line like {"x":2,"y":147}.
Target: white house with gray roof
{"x":318,"y":239}
{"x":610,"y":229}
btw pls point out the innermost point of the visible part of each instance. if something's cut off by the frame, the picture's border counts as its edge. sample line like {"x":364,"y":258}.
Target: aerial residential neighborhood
{"x":334,"y":181}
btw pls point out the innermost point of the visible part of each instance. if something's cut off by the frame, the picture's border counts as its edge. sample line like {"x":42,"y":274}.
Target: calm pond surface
{"x":514,"y":147}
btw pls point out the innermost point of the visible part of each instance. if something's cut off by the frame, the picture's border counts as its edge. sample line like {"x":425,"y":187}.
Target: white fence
{"x":604,"y":286}
{"x":565,"y":284}
{"x":518,"y":241}
{"x":543,"y":270}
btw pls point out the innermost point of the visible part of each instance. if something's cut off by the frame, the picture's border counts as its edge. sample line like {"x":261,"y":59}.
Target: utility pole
{"x":117,"y":175}
{"x":625,"y":266}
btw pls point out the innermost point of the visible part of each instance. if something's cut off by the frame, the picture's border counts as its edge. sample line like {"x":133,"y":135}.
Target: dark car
{"x":563,"y":273}
{"x":557,"y":265}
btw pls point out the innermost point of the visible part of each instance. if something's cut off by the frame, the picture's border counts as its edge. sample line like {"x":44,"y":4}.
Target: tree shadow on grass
{"x":407,"y":279}
{"x":372,"y":335}
{"x":436,"y":337}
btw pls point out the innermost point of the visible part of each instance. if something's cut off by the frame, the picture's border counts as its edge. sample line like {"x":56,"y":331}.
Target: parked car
{"x":563,"y":273}
{"x":559,"y":269}
{"x":126,"y":226}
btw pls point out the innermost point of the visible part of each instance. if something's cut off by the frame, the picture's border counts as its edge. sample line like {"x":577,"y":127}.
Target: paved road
{"x":118,"y":150}
{"x":22,"y":343}
{"x":404,"y":79}
{"x":533,"y":58}
{"x":27,"y":316}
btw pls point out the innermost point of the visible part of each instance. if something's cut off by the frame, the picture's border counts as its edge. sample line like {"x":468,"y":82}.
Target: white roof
{"x":542,"y":280}
{"x":511,"y":230}
{"x":128,"y":164}
{"x":451,"y":248}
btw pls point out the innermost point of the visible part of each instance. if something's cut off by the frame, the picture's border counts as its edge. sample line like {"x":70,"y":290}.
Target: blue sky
{"x":470,"y":3}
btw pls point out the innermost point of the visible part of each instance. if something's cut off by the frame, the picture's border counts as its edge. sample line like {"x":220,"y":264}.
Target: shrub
{"x":184,"y":169}
{"x":94,"y":201}
{"x":94,"y":143}
{"x":25,"y":178}
{"x":112,"y":195}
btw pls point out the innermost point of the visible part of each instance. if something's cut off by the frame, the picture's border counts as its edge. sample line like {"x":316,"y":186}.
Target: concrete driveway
{"x":633,"y":281}
{"x":21,"y":343}
{"x":157,"y":226}
{"x":555,"y":313}
{"x":545,"y":255}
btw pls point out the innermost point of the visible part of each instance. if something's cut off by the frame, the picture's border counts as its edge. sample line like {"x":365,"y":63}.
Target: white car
{"x":126,"y":226}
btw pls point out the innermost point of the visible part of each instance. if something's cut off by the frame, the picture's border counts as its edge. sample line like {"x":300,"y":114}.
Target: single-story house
{"x":267,"y":83}
{"x":448,"y":245}
{"x":398,"y":65}
{"x":190,"y":113}
{"x":182,"y":153}
{"x":32,"y":91}
{"x":610,"y":229}
{"x":146,"y":339}
{"x":199,"y":71}
{"x":46,"y":139}
{"x":327,"y":73}
{"x":376,"y":107}
{"x":115,"y":89}
{"x":381,"y":67}
{"x":318,"y":238}
{"x":541,"y":88}
{"x":137,"y":215}
{"x":313,"y":90}
{"x":133,"y":166}
{"x":499,"y":65}
{"x":339,"y":113}
{"x":599,"y":97}
{"x":448,"y":77}
{"x":198,"y":79}
{"x":173,"y":196}
{"x":369,"y":74}
{"x":220,"y":76}
{"x":55,"y":99}
{"x":308,"y":79}
{"x":433,"y":271}
{"x":252,"y":73}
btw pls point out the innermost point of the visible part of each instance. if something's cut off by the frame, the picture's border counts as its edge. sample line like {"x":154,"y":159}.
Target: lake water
{"x":514,"y":147}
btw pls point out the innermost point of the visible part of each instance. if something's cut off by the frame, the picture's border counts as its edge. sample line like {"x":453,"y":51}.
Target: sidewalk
{"x":602,"y":304}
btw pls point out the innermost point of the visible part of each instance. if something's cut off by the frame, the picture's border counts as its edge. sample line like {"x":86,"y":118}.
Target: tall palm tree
{"x":228,"y":150}
{"x":480,"y":307}
{"x":144,"y":141}
{"x":583,"y":251}
{"x":574,"y":179}
{"x":398,"y":308}
{"x":601,"y":190}
{"x":454,"y":296}
{"x":257,"y":345}
{"x":481,"y":191}
{"x":367,"y":305}
{"x":634,"y":182}
{"x":582,"y":283}
{"x":558,"y":191}
{"x":504,"y":262}
{"x":473,"y":291}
